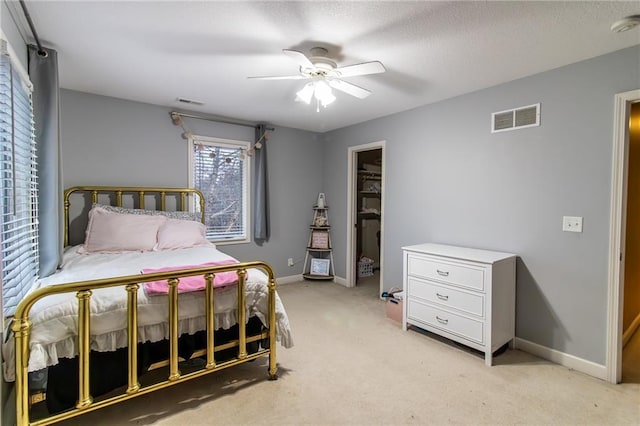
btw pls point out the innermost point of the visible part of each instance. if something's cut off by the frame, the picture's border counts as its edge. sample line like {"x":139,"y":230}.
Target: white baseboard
{"x":296,"y":278}
{"x":289,"y":279}
{"x":570,"y":361}
{"x":341,"y":281}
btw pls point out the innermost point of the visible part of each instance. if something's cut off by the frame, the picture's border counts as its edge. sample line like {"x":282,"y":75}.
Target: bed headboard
{"x":164,"y":199}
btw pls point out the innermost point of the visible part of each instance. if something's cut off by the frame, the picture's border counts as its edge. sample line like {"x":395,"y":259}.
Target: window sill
{"x":230,"y":242}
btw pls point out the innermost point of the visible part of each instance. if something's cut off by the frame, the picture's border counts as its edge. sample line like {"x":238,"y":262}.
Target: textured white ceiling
{"x":157,"y":51}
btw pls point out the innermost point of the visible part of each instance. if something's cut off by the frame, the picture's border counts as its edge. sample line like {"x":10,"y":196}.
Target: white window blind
{"x":220,"y":169}
{"x":19,"y":185}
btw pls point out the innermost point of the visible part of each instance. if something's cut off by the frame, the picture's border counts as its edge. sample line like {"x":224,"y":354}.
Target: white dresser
{"x":464,"y":294}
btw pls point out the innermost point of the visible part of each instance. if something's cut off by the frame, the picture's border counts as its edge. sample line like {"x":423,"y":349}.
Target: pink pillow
{"x":176,"y":233}
{"x":109,"y":232}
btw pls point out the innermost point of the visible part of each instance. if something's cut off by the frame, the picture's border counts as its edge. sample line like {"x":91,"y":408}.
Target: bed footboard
{"x":83,"y":290}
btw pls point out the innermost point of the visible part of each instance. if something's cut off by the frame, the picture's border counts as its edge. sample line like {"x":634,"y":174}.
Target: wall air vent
{"x":189,"y":101}
{"x":517,"y":118}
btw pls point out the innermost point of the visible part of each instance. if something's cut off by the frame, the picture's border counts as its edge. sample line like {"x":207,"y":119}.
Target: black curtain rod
{"x":41,"y":50}
{"x":218,"y":120}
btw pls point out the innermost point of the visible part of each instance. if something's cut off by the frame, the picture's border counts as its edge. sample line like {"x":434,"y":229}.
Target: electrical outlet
{"x":572,"y":224}
{"x":290,"y":261}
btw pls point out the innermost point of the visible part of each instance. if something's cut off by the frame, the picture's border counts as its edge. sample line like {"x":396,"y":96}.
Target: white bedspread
{"x":54,"y":318}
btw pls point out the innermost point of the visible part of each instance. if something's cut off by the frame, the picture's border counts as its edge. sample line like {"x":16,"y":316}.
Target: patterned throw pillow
{"x":171,"y":215}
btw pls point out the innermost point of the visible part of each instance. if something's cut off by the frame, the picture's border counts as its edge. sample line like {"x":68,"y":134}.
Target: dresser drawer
{"x":460,"y":275}
{"x":445,"y":320}
{"x":469,"y":302}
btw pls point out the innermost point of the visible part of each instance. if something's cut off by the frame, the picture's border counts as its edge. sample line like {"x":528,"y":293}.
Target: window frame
{"x":246,"y":175}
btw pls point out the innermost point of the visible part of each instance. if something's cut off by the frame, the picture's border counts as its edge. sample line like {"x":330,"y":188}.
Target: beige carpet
{"x":352,"y":366}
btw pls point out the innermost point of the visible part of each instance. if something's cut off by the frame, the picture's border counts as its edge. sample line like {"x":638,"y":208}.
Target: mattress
{"x":54,"y":318}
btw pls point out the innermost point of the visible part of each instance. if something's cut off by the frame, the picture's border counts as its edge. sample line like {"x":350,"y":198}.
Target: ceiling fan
{"x":325,"y":74}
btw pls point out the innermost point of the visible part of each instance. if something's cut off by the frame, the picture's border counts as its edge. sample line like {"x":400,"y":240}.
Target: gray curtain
{"x":261,"y":230}
{"x":43,"y":72}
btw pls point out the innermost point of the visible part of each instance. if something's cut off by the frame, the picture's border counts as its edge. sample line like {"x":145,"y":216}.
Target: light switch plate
{"x":572,"y":223}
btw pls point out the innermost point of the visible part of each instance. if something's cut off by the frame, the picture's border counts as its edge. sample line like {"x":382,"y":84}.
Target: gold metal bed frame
{"x":21,"y":325}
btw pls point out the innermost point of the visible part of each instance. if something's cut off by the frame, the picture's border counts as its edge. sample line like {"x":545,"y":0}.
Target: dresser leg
{"x":488,"y":358}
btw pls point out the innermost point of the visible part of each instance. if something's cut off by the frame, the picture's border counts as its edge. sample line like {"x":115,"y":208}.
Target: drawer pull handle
{"x":442,"y":296}
{"x":443,"y":273}
{"x":442,"y":320}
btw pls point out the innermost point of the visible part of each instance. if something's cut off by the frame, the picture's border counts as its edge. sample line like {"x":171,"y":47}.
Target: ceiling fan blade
{"x":365,"y":68}
{"x":349,"y":88}
{"x":280,"y":77}
{"x":299,"y":57}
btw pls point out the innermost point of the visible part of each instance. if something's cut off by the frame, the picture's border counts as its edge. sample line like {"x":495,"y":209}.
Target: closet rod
{"x":218,"y":120}
{"x":41,"y":50}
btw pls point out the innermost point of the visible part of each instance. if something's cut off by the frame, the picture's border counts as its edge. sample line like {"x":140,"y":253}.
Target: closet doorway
{"x":366,"y":217}
{"x":631,"y":284}
{"x":623,"y":344}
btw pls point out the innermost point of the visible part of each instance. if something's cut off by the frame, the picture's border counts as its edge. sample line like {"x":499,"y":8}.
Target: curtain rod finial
{"x":176,"y":119}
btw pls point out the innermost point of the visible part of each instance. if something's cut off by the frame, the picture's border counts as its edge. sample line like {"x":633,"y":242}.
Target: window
{"x":18,"y":184}
{"x":220,"y":169}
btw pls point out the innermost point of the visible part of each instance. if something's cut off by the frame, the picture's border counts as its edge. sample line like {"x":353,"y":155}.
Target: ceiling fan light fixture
{"x":319,"y":90}
{"x":328,"y":99}
{"x":323,"y":93}
{"x":305,"y":94}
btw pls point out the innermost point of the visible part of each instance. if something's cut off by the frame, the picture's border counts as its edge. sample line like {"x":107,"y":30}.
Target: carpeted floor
{"x":352,"y":366}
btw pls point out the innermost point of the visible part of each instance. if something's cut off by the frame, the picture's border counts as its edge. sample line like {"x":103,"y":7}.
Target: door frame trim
{"x":619,"y":172}
{"x":352,"y":170}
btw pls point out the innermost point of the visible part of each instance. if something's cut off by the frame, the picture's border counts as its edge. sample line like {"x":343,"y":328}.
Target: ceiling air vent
{"x":189,"y":101}
{"x":517,"y":118}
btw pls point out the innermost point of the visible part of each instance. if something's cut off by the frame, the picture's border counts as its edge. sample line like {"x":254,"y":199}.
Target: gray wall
{"x":449,"y":180}
{"x":109,"y":141}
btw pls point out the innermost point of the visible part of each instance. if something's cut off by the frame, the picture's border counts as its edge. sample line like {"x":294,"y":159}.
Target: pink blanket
{"x":194,"y":283}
